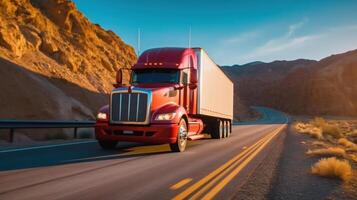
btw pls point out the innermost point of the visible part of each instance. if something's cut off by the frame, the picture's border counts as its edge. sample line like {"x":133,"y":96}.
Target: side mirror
{"x":119,"y":78}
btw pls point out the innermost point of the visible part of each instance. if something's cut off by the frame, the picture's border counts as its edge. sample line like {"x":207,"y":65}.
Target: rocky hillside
{"x":54,"y":63}
{"x":325,"y":87}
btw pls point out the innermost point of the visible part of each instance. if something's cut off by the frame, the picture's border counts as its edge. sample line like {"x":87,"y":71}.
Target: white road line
{"x":44,"y":146}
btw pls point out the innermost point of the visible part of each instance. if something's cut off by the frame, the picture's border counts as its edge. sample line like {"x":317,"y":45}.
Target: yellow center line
{"x":198,"y":184}
{"x":228,"y":178}
{"x":181,"y":183}
{"x":218,"y":177}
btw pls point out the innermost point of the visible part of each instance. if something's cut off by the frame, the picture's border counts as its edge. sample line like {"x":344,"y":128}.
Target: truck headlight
{"x":165,"y":116}
{"x":102,"y":116}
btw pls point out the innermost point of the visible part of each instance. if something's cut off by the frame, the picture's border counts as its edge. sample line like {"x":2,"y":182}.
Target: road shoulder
{"x":258,"y":183}
{"x":293,"y":179}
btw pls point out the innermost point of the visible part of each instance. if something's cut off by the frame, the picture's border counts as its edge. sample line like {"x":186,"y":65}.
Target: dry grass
{"x":319,"y":128}
{"x":320,"y":144}
{"x":348,"y":144}
{"x":336,"y":139}
{"x":352,"y":134}
{"x":327,"y":129}
{"x":300,"y":126}
{"x":331,"y":151}
{"x":332,"y":130}
{"x":309,"y":129}
{"x":316,"y":133}
{"x":318,"y":122}
{"x":333,"y":168}
{"x":353,"y":157}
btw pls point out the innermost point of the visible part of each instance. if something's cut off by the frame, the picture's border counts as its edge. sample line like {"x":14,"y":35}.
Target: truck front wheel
{"x":181,"y":141}
{"x":108,"y":144}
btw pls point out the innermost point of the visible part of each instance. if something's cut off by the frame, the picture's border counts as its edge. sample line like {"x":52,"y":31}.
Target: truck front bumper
{"x":155,"y":133}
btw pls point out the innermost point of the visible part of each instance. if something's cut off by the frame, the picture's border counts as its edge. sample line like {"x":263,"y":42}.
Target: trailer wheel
{"x":229,"y":130}
{"x":108,"y":144}
{"x":224,"y":132}
{"x":221,"y":129}
{"x":230,"y":127}
{"x":226,"y":129}
{"x":217,"y":132}
{"x":181,"y":142}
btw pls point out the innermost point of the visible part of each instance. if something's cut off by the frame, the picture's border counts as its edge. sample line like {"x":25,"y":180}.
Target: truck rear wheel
{"x":181,"y":141}
{"x":224,"y":133}
{"x":228,"y":128}
{"x":218,"y":130}
{"x":225,"y":127}
{"x":108,"y":144}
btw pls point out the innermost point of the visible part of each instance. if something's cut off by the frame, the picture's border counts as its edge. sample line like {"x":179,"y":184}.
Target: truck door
{"x":189,"y":92}
{"x":185,"y":80}
{"x":192,"y":86}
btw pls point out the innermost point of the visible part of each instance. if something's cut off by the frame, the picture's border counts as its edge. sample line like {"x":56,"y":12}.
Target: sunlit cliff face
{"x":63,"y":64}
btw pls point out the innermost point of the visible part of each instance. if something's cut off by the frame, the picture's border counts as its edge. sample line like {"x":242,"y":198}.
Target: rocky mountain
{"x":55,"y":63}
{"x":307,"y":87}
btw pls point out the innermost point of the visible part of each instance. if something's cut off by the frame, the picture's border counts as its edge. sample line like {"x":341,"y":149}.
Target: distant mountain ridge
{"x":325,"y":87}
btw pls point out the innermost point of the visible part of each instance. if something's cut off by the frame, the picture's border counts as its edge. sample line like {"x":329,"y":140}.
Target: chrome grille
{"x":130,"y":108}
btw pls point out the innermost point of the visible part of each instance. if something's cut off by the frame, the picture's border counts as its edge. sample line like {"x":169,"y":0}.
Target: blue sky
{"x":233,"y":31}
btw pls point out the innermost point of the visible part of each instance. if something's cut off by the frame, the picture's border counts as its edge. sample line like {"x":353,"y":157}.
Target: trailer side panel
{"x":215,"y":96}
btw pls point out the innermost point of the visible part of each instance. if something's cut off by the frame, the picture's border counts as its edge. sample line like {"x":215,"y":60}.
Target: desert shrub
{"x":353,"y":157}
{"x":333,"y":168}
{"x":345,"y":142}
{"x":314,"y":132}
{"x":318,"y":122}
{"x":299,"y":127}
{"x":332,"y":130}
{"x":331,"y":151}
{"x":330,"y":139}
{"x":352,"y":134}
{"x":56,"y":136}
{"x":319,"y":144}
{"x":327,"y":129}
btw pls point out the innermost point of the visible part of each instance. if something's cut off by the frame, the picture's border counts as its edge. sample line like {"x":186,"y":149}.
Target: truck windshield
{"x":156,"y":76}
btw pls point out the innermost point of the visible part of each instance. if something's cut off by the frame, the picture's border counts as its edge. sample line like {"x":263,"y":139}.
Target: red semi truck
{"x":175,"y":95}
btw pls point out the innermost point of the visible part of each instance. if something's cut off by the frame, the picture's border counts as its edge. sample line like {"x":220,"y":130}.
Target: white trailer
{"x":215,"y":89}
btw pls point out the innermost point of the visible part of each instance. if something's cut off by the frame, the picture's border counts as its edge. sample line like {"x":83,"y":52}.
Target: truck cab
{"x":158,"y":106}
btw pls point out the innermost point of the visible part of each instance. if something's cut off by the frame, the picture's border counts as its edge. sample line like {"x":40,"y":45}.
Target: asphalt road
{"x":208,"y":169}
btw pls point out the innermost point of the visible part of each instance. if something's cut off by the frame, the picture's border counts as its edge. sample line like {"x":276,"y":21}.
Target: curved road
{"x":209,"y":169}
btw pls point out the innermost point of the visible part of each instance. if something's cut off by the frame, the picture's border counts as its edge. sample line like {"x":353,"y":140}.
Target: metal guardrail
{"x":29,"y":124}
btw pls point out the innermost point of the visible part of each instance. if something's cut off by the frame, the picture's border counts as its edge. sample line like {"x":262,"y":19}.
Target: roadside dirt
{"x":285,"y":174}
{"x":293,"y":179}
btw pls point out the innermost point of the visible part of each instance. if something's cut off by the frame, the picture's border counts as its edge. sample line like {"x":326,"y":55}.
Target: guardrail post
{"x":11,"y":135}
{"x":75,"y":133}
